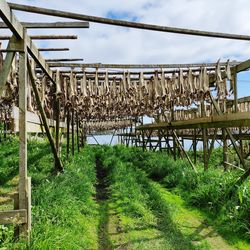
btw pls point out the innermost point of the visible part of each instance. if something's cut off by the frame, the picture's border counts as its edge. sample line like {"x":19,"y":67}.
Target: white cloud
{"x":109,"y":44}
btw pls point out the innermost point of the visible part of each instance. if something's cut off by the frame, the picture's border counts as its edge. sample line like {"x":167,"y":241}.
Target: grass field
{"x":123,"y":198}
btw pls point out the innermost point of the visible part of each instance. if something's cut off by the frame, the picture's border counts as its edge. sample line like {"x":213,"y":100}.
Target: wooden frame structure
{"x":29,"y":56}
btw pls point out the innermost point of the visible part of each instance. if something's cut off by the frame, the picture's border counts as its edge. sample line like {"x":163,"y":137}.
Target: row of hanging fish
{"x":125,"y":95}
{"x":101,"y":97}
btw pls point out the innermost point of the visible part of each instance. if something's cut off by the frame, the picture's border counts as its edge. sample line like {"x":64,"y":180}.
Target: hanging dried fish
{"x":163,"y":84}
{"x":218,"y":73}
{"x":181,"y":82}
{"x":84,"y":85}
{"x":106,"y":83}
{"x":190,"y":80}
{"x":58,"y":82}
{"x":141,"y":84}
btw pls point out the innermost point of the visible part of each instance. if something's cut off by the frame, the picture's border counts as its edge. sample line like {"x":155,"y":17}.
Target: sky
{"x":109,"y":44}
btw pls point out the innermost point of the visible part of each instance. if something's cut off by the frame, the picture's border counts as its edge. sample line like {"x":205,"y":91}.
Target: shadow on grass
{"x":102,"y":196}
{"x":165,"y":224}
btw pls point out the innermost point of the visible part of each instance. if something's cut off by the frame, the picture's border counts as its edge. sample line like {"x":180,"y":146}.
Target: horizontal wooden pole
{"x":191,"y":137}
{"x":64,"y":60}
{"x":53,"y":49}
{"x":39,"y":49}
{"x":54,"y":25}
{"x":241,"y":119}
{"x":243,"y":66}
{"x":15,"y":26}
{"x":45,"y":37}
{"x":122,"y":23}
{"x":139,"y":66}
{"x":16,"y":217}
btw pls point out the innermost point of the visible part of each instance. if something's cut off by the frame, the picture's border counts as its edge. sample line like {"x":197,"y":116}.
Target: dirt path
{"x":109,"y":228}
{"x":175,"y":225}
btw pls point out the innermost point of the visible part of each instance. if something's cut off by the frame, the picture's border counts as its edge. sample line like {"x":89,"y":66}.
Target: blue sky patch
{"x":124,"y":15}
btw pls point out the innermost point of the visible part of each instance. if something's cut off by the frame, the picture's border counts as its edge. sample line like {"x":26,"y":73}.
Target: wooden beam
{"x":140,"y":66}
{"x":23,"y":81}
{"x":58,"y":163}
{"x":15,"y":217}
{"x":15,"y":26}
{"x":241,"y":119}
{"x":40,"y":49}
{"x":243,"y":66}
{"x":45,"y":37}
{"x":68,"y":116}
{"x":53,"y":49}
{"x":218,"y":137}
{"x":54,"y":25}
{"x":235,"y":89}
{"x":64,"y":60}
{"x":185,"y":153}
{"x":120,"y":71}
{"x":128,"y":24}
{"x":10,"y":20}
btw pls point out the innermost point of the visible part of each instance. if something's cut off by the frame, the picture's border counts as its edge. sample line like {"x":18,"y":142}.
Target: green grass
{"x":207,"y":191}
{"x":64,"y":213}
{"x":153,"y":201}
{"x":145,"y":218}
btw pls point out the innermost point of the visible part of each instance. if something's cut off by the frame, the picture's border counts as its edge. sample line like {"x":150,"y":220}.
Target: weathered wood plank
{"x":140,"y":66}
{"x":241,"y":119}
{"x":51,"y":25}
{"x":63,"y":59}
{"x":10,"y":19}
{"x":53,"y":49}
{"x":243,"y":66}
{"x":15,"y":26}
{"x":16,"y":217}
{"x":58,"y":163}
{"x":23,"y":81}
{"x":45,"y":37}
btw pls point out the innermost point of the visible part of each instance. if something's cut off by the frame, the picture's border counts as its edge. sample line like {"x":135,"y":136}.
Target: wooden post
{"x":160,"y":138}
{"x":73,"y":131}
{"x":5,"y":128}
{"x":143,"y":141}
{"x":174,"y":146}
{"x":225,"y":147}
{"x":24,"y":229}
{"x":195,"y":146}
{"x":235,"y":90}
{"x":57,"y":111}
{"x":204,"y":139}
{"x":212,"y":143}
{"x":241,"y":143}
{"x":58,"y":107}
{"x":77,"y":132}
{"x":58,"y":163}
{"x":16,"y":207}
{"x":184,"y":152}
{"x":68,"y":131}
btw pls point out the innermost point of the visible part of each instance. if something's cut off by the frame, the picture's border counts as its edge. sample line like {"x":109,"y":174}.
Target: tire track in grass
{"x":146,"y":224}
{"x":171,"y":211}
{"x":173,"y":236}
{"x":102,"y":196}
